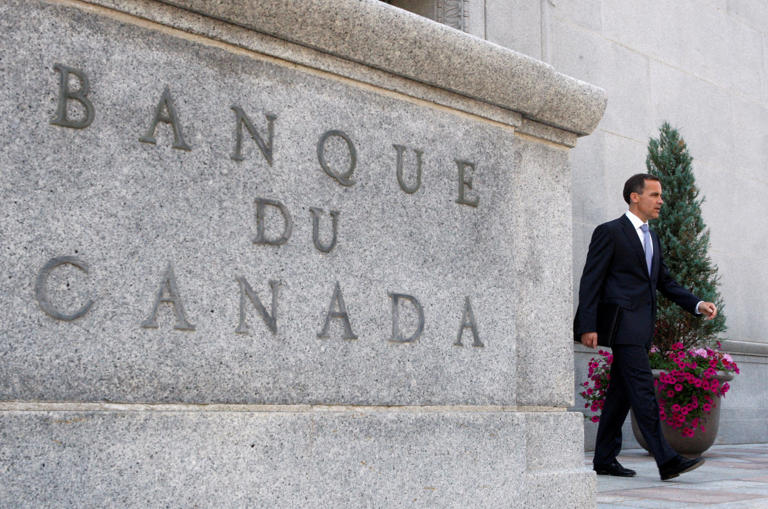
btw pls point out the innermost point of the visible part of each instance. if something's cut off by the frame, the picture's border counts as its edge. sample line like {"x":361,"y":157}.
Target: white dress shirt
{"x":637,"y":223}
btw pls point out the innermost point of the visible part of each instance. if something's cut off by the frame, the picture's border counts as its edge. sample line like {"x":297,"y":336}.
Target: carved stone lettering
{"x":397,"y":335}
{"x":345,"y":179}
{"x":169,"y":293}
{"x":325,"y":248}
{"x":65,"y":95}
{"x":261,"y":238}
{"x":465,"y":182}
{"x":269,"y":320}
{"x":338,"y":301}
{"x":265,"y":147}
{"x":468,"y":321}
{"x":400,"y":179}
{"x":166,"y":103}
{"x":41,"y":287}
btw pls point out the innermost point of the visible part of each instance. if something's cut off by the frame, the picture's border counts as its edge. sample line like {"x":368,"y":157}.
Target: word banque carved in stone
{"x":165,"y":112}
{"x":168,"y":293}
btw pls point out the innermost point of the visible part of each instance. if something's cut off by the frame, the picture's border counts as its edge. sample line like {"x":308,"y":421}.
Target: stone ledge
{"x":746,"y":347}
{"x":287,"y":460}
{"x":213,"y":32}
{"x":390,"y":39}
{"x":113,"y":407}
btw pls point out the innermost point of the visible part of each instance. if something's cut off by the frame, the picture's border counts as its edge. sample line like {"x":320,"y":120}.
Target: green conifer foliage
{"x":685,"y":240}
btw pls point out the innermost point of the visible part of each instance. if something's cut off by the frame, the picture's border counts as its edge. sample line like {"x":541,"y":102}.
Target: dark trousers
{"x":631,"y":385}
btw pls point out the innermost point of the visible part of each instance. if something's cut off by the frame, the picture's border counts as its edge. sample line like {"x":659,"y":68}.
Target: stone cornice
{"x":386,"y":38}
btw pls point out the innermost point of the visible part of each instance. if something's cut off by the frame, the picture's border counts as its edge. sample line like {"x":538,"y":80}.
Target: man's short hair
{"x":636,"y":184}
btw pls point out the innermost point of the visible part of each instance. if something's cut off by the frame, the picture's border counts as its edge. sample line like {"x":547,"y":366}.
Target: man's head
{"x":643,"y":194}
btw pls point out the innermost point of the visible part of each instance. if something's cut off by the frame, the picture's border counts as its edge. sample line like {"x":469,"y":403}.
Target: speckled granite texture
{"x":191,"y":222}
{"x":405,"y":44}
{"x":286,"y":460}
{"x":127,"y":210}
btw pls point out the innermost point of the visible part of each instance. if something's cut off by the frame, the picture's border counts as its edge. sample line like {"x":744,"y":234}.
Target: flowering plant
{"x":686,"y":388}
{"x":597,"y":383}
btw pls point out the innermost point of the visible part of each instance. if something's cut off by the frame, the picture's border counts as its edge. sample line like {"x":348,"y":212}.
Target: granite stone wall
{"x":283,"y":254}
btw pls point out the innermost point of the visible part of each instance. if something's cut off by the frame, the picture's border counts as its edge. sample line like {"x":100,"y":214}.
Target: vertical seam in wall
{"x":544,"y":29}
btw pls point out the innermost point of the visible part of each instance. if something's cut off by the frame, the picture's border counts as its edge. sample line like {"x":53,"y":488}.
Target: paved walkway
{"x":734,"y":476}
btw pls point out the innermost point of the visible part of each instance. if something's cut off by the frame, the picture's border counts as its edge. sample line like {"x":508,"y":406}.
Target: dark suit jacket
{"x":616,"y":273}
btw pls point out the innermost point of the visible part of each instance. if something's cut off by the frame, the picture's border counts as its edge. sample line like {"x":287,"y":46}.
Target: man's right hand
{"x":589,"y":339}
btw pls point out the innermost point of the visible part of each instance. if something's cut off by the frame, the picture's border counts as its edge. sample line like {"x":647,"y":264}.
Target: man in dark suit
{"x":624,"y":268}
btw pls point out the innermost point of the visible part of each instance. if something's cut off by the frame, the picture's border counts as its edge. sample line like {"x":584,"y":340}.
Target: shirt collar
{"x":636,"y":221}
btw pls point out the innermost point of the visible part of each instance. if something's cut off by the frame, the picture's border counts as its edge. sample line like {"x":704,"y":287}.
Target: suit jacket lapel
{"x":637,"y":246}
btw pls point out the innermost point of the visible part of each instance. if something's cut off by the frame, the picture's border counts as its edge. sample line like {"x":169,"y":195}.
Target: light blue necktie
{"x":647,"y":246}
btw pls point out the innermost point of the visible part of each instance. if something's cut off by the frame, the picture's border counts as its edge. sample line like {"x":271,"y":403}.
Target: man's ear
{"x":634,"y":197}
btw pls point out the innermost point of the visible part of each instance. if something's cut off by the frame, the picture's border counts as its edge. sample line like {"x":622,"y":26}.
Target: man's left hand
{"x":708,"y":309}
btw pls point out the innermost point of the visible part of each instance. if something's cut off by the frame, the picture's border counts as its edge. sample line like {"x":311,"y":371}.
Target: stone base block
{"x":139,"y":456}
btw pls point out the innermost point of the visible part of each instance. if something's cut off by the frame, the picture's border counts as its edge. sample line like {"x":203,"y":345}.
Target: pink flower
{"x":706,"y":407}
{"x":677,"y":346}
{"x":675,"y":408}
{"x":678,"y":387}
{"x":595,"y":418}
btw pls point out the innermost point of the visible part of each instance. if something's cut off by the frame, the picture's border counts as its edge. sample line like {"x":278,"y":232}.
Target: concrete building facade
{"x":702,"y":66}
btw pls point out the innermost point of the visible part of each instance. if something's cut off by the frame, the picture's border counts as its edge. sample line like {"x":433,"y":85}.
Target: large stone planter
{"x":702,"y":440}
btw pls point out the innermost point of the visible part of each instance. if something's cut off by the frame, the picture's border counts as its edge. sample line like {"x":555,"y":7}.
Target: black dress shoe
{"x":679,"y":465}
{"x":614,"y":468}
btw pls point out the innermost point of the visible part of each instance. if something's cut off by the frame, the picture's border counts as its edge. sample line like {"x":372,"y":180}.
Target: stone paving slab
{"x":734,"y":476}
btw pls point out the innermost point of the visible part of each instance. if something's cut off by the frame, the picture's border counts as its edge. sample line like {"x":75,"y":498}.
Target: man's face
{"x":648,"y":203}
